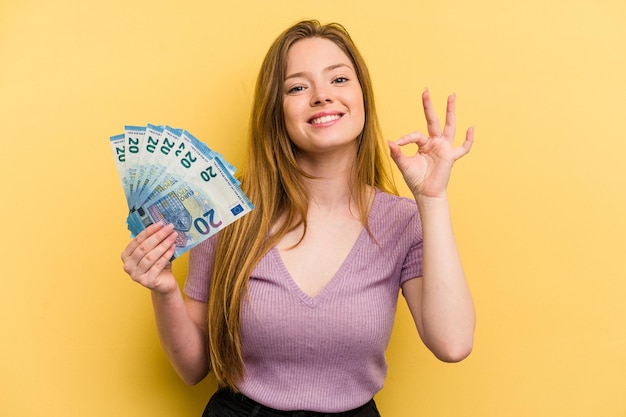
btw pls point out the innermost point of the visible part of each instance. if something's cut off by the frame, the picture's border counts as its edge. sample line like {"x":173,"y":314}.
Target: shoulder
{"x":204,"y":248}
{"x":399,"y":207}
{"x":393,"y":214}
{"x":199,"y":269}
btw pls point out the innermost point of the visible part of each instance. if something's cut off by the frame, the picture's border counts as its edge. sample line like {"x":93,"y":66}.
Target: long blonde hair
{"x":273,"y":181}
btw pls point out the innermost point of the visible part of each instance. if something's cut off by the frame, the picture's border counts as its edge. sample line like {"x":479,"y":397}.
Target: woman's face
{"x":323,"y":101}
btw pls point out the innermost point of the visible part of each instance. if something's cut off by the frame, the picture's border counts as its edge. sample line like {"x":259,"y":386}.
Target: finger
{"x":140,"y":238}
{"x":149,"y":241}
{"x":432,"y":122}
{"x":418,"y":138}
{"x":167,"y":256}
{"x":142,"y":244}
{"x":158,"y":267}
{"x":397,"y":156}
{"x":467,"y":144}
{"x":449,"y":129}
{"x":149,"y":267}
{"x":395,"y":152}
{"x":157,"y":258}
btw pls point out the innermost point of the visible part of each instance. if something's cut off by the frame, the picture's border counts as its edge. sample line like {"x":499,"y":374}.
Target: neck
{"x":329,"y":193}
{"x":333,"y":180}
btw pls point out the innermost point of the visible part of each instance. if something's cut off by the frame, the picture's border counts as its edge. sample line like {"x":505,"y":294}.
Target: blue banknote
{"x":170,"y":176}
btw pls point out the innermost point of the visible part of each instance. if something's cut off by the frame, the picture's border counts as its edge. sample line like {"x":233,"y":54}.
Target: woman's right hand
{"x":147,"y":258}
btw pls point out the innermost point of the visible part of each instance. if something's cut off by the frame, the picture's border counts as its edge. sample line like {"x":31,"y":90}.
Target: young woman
{"x":292,"y":306}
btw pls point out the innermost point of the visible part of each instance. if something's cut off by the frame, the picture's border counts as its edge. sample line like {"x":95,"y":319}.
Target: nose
{"x":321,"y":96}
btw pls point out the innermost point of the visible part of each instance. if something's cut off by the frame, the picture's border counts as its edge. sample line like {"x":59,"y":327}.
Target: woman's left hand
{"x":428,"y":171}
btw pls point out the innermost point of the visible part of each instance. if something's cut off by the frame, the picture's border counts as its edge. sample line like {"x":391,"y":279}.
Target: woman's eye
{"x":340,"y":80}
{"x":295,"y":89}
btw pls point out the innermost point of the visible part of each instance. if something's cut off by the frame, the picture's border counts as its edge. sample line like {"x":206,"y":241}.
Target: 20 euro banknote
{"x":170,"y":176}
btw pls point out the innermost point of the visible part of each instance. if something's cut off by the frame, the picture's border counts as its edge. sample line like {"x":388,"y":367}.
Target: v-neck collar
{"x":336,"y":279}
{"x":338,"y":276}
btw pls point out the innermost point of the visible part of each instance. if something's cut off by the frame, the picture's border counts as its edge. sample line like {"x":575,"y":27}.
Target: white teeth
{"x":325,"y":119}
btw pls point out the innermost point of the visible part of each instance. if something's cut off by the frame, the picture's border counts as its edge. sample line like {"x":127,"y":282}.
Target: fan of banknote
{"x":170,"y":176}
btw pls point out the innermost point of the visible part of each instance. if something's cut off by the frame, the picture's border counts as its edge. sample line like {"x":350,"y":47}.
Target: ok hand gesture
{"x":428,"y":171}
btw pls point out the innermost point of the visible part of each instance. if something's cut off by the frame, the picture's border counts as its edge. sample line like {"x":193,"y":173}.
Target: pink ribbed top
{"x":324,"y":353}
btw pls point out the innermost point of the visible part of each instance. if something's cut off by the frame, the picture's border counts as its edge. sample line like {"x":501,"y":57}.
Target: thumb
{"x":395,"y":152}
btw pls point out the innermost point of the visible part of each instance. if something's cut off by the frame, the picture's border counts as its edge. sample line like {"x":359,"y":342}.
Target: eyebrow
{"x":329,"y":68}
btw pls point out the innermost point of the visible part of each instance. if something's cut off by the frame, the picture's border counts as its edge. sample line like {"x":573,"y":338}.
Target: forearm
{"x":183,"y":341}
{"x":448,"y":316}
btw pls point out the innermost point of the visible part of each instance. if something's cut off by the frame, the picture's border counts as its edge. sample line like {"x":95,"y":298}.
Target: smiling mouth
{"x":325,"y":119}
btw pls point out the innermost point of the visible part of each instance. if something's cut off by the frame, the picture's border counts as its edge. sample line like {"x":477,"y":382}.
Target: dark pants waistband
{"x":225,"y":402}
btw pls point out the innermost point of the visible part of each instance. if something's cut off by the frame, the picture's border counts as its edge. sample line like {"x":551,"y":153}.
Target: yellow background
{"x":538,"y":205}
